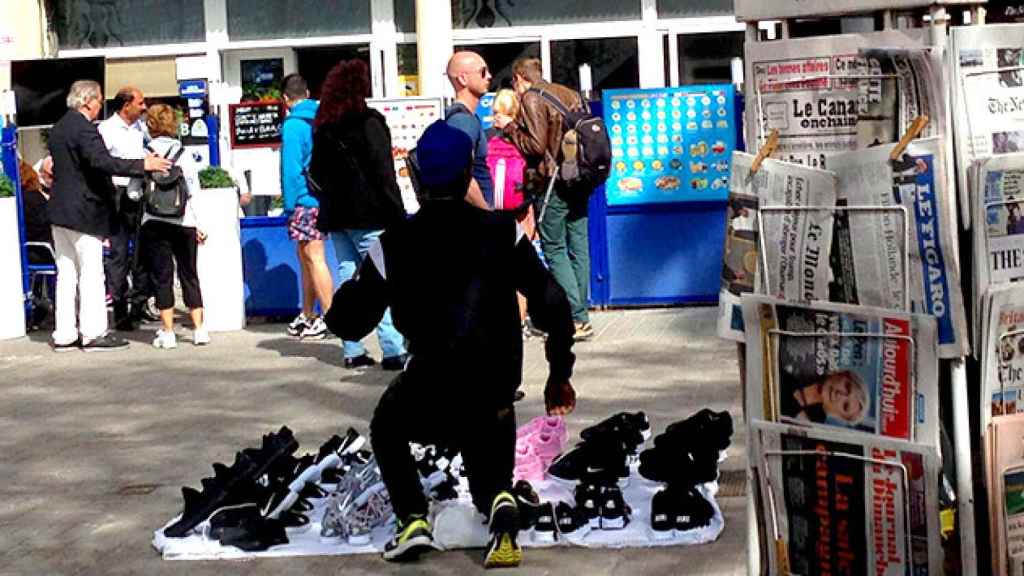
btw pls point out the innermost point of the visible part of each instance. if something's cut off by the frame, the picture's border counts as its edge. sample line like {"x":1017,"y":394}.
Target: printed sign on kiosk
{"x":256,"y":124}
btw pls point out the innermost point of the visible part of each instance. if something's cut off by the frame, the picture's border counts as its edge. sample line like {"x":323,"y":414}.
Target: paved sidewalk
{"x":96,"y":447}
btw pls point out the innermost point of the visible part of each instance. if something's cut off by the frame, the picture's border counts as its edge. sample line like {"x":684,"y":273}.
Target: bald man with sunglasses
{"x":471,"y":79}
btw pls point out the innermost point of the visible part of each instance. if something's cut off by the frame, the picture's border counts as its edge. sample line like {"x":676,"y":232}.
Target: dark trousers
{"x":168,"y":245}
{"x":414,"y":411}
{"x":564,"y":237}
{"x":121,"y":262}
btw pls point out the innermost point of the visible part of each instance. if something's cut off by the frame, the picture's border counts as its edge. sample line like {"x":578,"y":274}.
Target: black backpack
{"x":586,"y":150}
{"x":332,"y":166}
{"x":166,"y":193}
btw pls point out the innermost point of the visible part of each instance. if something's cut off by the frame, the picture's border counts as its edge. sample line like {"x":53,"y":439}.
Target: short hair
{"x":295,"y":87}
{"x":161,"y":120}
{"x":529,"y":68}
{"x":82,"y":92}
{"x":506,"y":102}
{"x":124,"y":97}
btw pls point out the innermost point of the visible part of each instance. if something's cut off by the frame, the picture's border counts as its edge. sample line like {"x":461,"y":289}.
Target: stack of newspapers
{"x":988,"y":105}
{"x":841,"y":275}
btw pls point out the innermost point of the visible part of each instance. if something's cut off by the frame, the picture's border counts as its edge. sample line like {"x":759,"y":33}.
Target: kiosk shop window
{"x":82,"y":24}
{"x":268,"y":19}
{"x":694,"y":8}
{"x":500,"y":57}
{"x":315,"y":63}
{"x":705,"y":58}
{"x":504,"y":13}
{"x":613,"y":62}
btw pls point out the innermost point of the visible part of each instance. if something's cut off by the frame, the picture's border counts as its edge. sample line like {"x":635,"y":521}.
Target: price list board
{"x":670,"y":144}
{"x":406,"y":118}
{"x":256,"y":124}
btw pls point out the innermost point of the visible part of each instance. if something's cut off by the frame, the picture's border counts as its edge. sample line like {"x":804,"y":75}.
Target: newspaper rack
{"x":782,"y":557}
{"x":761,"y":16}
{"x":870,"y":208}
{"x":776,"y":334}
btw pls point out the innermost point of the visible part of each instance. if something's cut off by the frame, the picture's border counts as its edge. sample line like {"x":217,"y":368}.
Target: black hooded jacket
{"x":450,"y":275}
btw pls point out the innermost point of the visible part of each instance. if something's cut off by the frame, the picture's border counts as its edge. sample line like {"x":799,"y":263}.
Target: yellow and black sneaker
{"x":503,"y":551}
{"x":412,"y":538}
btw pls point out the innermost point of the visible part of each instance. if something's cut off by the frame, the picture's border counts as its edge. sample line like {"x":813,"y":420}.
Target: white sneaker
{"x":165,"y":340}
{"x":200,"y":337}
{"x":316,"y":329}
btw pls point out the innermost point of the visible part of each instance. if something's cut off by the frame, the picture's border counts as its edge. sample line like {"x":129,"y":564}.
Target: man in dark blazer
{"x":82,"y":212}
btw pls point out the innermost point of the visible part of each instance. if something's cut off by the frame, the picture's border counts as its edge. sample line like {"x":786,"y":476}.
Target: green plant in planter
{"x":215,"y":177}
{"x":277,"y":202}
{"x":6,"y":187}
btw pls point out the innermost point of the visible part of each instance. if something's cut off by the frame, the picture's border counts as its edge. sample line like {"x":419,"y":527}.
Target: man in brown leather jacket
{"x":537,"y":132}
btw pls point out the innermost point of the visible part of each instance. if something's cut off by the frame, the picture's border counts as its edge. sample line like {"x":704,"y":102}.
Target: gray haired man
{"x":82,"y":212}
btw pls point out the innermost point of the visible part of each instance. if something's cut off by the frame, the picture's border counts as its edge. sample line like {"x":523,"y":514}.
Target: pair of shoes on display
{"x":392,"y":363}
{"x":602,"y":506}
{"x":678,"y":509}
{"x":307,"y":327}
{"x":560,"y":522}
{"x":584,"y":331}
{"x":688,"y":452}
{"x":338,"y":454}
{"x":414,"y":536}
{"x":245,"y":528}
{"x":234,"y":485}
{"x":538,"y":443}
{"x":604,"y":454}
{"x":358,"y":504}
{"x":712,"y":428}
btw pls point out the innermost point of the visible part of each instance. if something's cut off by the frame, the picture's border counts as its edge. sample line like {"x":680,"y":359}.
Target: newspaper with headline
{"x":797,"y":87}
{"x":894,"y":246}
{"x":794,"y":265}
{"x":1002,"y":352}
{"x":841,"y":367}
{"x":838,"y":503}
{"x":988,"y":95}
{"x":997,"y":203}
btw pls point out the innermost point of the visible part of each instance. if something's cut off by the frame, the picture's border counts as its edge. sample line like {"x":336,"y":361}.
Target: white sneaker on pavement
{"x":165,"y":340}
{"x":200,"y":337}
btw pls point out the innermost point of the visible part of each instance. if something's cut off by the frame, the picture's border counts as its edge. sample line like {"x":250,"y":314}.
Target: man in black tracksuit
{"x":450,"y":275}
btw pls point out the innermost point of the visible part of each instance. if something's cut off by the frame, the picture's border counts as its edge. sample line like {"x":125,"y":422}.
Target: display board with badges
{"x":670,"y":144}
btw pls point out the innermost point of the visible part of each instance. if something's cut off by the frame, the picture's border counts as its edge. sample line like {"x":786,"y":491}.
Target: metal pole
{"x":962,"y":456}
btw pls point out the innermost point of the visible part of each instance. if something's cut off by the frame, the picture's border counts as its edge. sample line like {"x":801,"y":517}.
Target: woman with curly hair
{"x":359,"y":196}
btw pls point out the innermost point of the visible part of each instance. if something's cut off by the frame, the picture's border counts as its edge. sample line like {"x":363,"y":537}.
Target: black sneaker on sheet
{"x":105,"y":343}
{"x":545,"y":527}
{"x":573,"y":523}
{"x":529,"y":504}
{"x":587,"y":498}
{"x":254,"y":535}
{"x":706,"y":428}
{"x":663,"y":515}
{"x":594,"y":461}
{"x":692,"y":511}
{"x":623,"y":423}
{"x":614,"y":512}
{"x":685,"y":468}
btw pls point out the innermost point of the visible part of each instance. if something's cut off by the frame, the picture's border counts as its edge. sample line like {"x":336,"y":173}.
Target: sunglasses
{"x":484,"y":72}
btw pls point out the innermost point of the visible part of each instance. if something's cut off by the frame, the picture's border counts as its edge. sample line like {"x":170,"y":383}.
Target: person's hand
{"x":501,"y":120}
{"x":154,"y":163}
{"x":201,"y":236}
{"x":245,"y":199}
{"x":559,"y":398}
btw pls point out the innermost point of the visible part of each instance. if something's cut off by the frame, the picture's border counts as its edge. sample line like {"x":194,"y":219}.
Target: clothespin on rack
{"x":769,"y":146}
{"x":915,"y":128}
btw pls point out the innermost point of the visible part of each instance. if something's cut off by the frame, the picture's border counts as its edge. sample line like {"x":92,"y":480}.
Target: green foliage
{"x":215,"y":177}
{"x":277,"y":202}
{"x":6,"y":187}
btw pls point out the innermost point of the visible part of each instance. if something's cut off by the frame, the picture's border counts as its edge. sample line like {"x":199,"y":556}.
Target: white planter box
{"x":12,"y":295}
{"x":219,"y":261}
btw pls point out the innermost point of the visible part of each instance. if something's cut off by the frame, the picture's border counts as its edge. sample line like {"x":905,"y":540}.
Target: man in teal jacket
{"x":302,"y":208}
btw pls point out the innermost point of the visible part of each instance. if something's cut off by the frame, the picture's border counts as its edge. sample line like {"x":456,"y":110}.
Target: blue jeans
{"x":350,"y":246}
